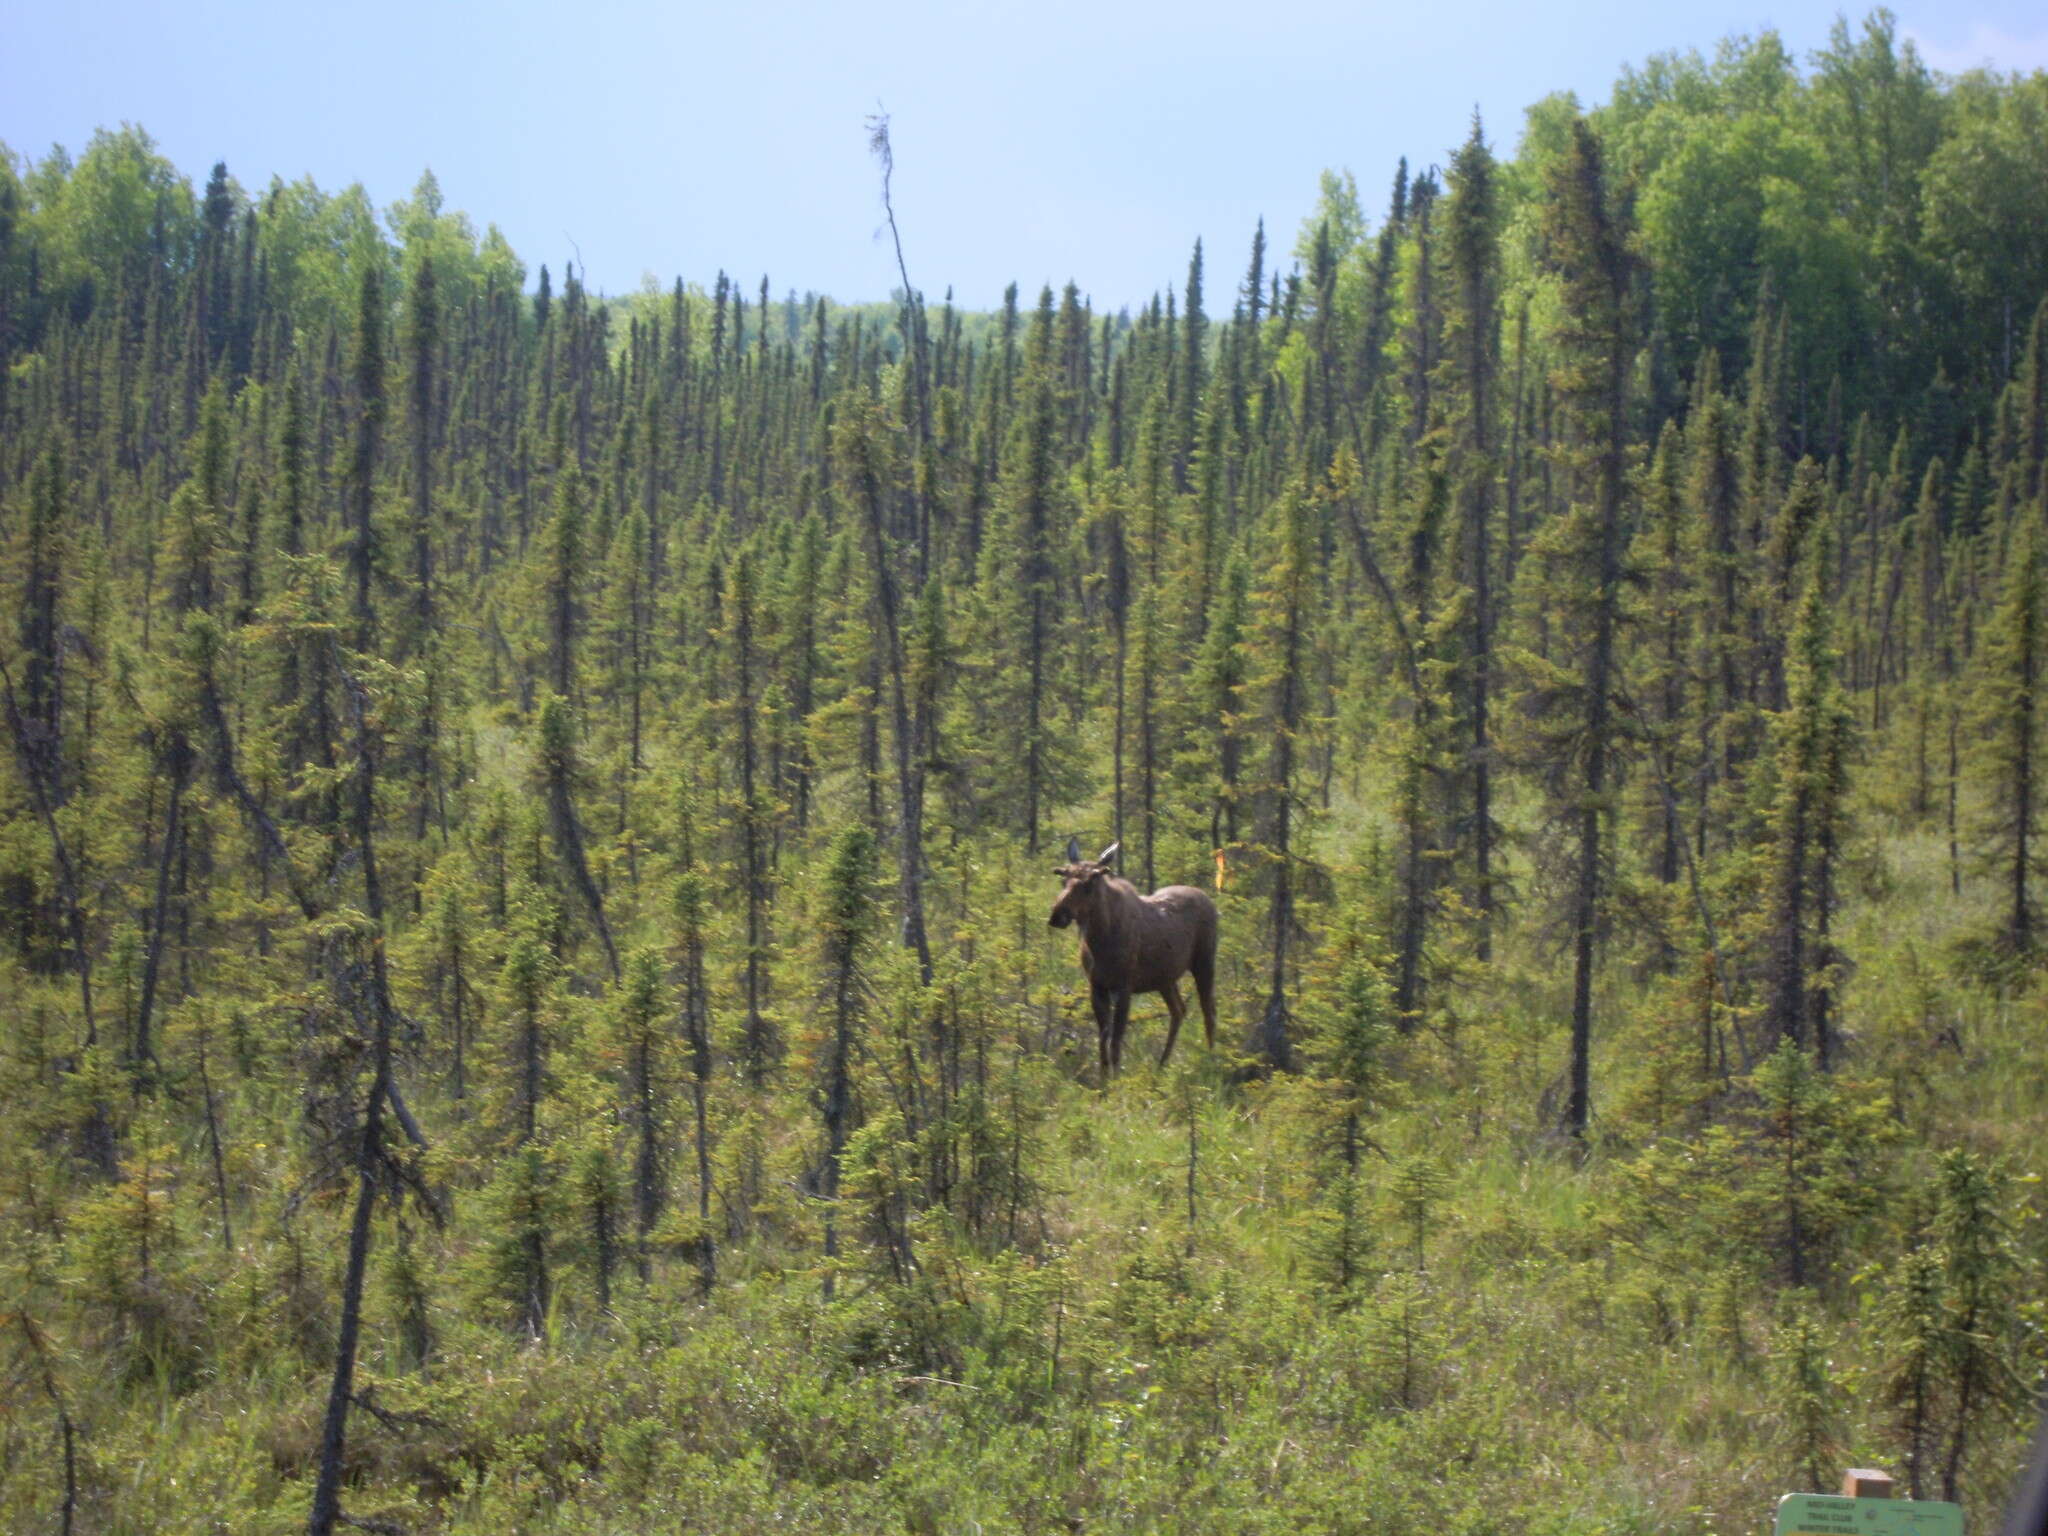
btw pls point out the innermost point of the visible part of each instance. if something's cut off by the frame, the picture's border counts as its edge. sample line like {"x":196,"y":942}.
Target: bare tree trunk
{"x":213,"y":1145}
{"x":647,"y":1156}
{"x":179,"y":753}
{"x":1117,"y":750}
{"x":909,"y":751}
{"x":1955,"y":861}
{"x":370,"y":1153}
{"x":67,"y":874}
{"x":38,"y":1348}
{"x":334,"y":1432}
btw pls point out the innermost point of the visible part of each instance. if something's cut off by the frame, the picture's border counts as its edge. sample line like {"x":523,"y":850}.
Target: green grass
{"x":1549,"y":1365}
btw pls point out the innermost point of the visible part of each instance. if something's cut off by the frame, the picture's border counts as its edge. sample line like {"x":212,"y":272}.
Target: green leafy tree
{"x":1588,"y":253}
{"x":848,"y":899}
{"x":2009,"y":712}
{"x":1804,"y":1396}
{"x":1471,"y":330}
{"x":1982,"y":1293}
{"x":1283,"y":616}
{"x":1914,"y":1321}
{"x":1814,"y":733}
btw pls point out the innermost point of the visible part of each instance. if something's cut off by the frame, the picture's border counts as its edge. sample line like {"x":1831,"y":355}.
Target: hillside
{"x":530,"y":820}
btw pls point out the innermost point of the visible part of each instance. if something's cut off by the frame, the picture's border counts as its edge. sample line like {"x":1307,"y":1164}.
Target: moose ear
{"x":1073,"y":850}
{"x":1107,"y":855}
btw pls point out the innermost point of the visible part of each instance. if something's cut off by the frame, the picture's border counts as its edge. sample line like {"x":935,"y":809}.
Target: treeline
{"x":558,"y":769}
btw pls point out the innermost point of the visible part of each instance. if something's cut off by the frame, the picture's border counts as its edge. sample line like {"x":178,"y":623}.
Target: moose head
{"x":1085,"y":879}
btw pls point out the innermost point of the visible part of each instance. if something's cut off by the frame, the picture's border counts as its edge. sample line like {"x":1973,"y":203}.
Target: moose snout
{"x":1059,"y":919}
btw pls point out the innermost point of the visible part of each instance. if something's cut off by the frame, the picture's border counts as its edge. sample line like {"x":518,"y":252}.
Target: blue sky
{"x":1061,"y":139}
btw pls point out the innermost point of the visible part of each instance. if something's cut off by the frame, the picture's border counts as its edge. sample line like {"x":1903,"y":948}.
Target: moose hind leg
{"x":1121,"y":1022}
{"x":1176,"y":1010}
{"x":1205,"y":989}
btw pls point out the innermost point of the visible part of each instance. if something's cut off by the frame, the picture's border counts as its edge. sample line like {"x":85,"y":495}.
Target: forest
{"x":529,"y":821}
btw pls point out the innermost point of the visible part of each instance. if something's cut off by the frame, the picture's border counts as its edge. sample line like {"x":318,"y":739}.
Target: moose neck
{"x":1111,"y":913}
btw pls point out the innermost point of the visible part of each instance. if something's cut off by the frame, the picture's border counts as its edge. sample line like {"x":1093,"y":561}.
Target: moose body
{"x":1132,"y":944}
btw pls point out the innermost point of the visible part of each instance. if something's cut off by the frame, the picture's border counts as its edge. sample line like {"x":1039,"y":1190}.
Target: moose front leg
{"x":1104,"y":1004}
{"x":1120,"y":1022}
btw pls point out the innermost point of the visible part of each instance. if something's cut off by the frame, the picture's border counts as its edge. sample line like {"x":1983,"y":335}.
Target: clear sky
{"x":1061,"y":139}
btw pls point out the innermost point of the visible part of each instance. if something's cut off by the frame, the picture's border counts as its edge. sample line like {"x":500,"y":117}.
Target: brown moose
{"x":1132,"y":943}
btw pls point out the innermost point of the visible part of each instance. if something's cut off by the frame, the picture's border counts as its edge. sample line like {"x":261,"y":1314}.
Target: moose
{"x":1132,"y":943}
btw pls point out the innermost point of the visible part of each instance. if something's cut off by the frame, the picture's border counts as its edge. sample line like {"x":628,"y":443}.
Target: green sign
{"x":1819,"y":1514}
